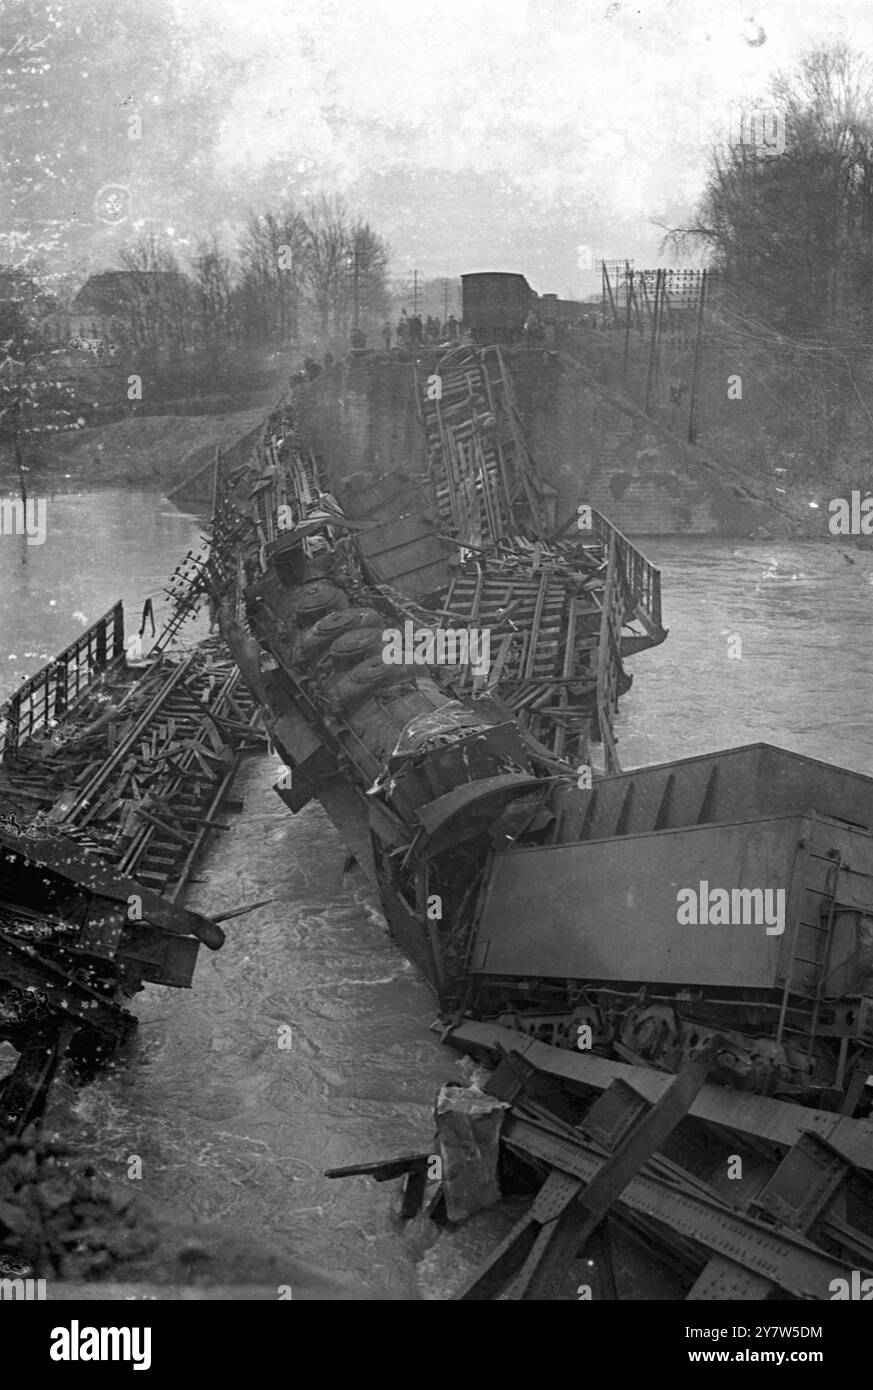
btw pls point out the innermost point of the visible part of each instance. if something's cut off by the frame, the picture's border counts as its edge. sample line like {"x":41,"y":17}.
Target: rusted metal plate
{"x":399,"y":537}
{"x":608,"y":909}
{"x":66,"y":857}
{"x":101,"y":932}
{"x":739,"y":784}
{"x":471,"y":807}
{"x":159,"y":958}
{"x":803,"y":1184}
{"x":723,"y":1280}
{"x":787,"y":1259}
{"x":773,"y":1121}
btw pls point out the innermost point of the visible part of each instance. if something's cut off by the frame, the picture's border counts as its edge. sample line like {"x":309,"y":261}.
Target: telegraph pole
{"x":629,"y":294}
{"x":415,"y":292}
{"x":692,"y":422}
{"x":654,"y":339}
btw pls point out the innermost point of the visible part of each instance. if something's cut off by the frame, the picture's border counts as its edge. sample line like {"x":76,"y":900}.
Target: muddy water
{"x":99,"y":547}
{"x":765,"y":644}
{"x":771,"y":644}
{"x":239,"y":1131}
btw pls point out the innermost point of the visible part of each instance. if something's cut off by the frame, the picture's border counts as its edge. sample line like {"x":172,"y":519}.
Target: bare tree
{"x":366,"y":291}
{"x":326,"y":270}
{"x":157,"y":300}
{"x":217,"y":328}
{"x":792,"y":234}
{"x":272,"y":250}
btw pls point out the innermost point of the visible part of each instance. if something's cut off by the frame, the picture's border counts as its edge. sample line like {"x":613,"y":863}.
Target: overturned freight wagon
{"x":647,"y":946}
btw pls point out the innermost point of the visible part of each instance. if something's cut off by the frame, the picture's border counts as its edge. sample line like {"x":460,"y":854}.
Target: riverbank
{"x":160,"y":451}
{"x":642,"y":496}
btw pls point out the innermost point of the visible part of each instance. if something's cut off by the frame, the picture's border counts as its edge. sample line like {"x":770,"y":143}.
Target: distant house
{"x":133,"y":309}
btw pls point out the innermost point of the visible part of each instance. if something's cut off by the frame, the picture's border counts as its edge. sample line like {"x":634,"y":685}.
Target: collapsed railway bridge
{"x":113,"y":774}
{"x":696,"y":1117}
{"x":700,"y":1114}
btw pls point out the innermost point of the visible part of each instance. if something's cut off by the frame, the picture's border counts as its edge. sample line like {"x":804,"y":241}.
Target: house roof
{"x":114,"y":291}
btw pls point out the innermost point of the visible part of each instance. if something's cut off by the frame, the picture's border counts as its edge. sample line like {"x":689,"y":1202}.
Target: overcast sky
{"x":504,"y":133}
{"x":473,"y":134}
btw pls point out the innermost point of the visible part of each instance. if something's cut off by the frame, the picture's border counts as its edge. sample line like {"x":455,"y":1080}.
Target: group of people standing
{"x":545,"y":333}
{"x":411,"y":331}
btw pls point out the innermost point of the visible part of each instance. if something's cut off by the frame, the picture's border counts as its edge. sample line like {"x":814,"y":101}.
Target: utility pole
{"x":355,"y":253}
{"x":629,"y":294}
{"x":654,"y":339}
{"x":445,"y":301}
{"x":415,"y":292}
{"x":692,"y":423}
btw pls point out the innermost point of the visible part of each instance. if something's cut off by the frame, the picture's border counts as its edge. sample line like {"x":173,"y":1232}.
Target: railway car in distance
{"x":570,"y":312}
{"x":495,"y":305}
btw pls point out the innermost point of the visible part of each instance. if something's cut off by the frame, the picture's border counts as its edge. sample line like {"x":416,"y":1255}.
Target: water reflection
{"x":100,"y":546}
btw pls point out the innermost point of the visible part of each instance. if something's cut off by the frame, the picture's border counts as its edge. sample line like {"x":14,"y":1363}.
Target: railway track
{"x":150,"y":805}
{"x":139,"y":783}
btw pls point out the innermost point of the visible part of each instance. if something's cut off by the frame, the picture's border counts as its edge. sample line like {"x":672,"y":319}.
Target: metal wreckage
{"x":112,"y":774}
{"x":686,"y":1104}
{"x":692,"y":1101}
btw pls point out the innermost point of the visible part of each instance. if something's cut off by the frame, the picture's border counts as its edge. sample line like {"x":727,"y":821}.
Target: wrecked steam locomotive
{"x":529,"y":892}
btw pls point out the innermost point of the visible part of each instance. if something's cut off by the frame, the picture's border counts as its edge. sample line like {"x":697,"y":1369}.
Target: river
{"x":766,"y":643}
{"x":99,"y":547}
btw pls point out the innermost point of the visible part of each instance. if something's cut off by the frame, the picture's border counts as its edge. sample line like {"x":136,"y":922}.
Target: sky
{"x":526,"y":135}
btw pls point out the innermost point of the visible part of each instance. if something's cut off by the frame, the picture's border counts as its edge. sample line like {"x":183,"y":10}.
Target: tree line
{"x":294,"y":274}
{"x":786,"y":217}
